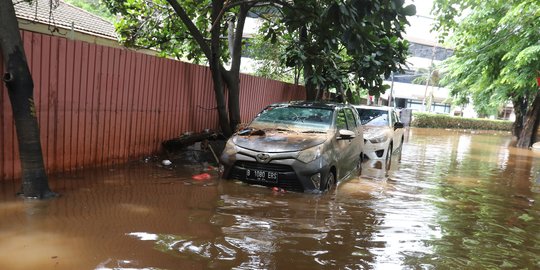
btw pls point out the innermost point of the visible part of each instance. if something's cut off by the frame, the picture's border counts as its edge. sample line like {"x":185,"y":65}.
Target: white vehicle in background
{"x":383,"y":132}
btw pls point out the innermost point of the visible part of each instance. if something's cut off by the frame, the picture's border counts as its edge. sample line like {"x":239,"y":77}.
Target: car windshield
{"x":303,"y":119}
{"x":372,"y":117}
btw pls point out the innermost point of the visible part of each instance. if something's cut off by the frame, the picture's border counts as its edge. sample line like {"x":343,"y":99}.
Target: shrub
{"x":430,"y":120}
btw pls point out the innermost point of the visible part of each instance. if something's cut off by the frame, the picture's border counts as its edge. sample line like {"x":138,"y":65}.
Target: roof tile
{"x":65,"y":16}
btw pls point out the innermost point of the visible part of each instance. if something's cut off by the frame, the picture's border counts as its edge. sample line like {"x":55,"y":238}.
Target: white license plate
{"x":262,"y":176}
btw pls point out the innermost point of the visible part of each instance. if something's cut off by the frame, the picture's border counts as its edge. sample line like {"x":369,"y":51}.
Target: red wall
{"x":99,"y":105}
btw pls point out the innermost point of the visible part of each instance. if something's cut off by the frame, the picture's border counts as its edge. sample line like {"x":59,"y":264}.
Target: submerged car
{"x":299,"y":146}
{"x":383,"y":131}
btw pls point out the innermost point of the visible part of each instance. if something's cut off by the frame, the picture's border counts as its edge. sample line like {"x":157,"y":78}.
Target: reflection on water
{"x":455,"y":200}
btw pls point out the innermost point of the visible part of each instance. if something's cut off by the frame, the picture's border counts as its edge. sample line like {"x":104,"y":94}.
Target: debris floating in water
{"x":166,"y":162}
{"x":202,"y":176}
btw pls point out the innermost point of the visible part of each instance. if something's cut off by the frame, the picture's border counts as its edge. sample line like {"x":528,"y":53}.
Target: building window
{"x":435,"y":107}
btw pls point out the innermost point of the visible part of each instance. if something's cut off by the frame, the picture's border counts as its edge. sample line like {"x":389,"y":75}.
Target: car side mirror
{"x":398,"y":125}
{"x":346,"y":134}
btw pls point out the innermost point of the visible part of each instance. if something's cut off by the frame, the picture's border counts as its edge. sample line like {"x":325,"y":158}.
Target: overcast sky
{"x":423,"y":7}
{"x":419,"y":30}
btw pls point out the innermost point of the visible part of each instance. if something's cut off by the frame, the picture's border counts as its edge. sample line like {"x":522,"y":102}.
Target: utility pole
{"x":430,"y":71}
{"x":391,"y":96}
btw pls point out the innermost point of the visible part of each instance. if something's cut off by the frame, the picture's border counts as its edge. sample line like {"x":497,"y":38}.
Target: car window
{"x":394,"y":120}
{"x":397,"y":117}
{"x":341,"y":120}
{"x":373,"y":117}
{"x":351,"y":121}
{"x":294,"y":117}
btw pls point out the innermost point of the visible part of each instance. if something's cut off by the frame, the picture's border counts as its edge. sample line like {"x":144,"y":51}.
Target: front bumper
{"x":292,"y":174}
{"x":375,"y":151}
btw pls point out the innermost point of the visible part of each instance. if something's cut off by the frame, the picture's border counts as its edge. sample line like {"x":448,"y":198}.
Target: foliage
{"x":433,"y":75}
{"x":497,"y":54}
{"x":429,"y":120}
{"x":194,"y":30}
{"x":96,"y":7}
{"x":268,"y":59}
{"x":154,"y":24}
{"x":330,"y":40}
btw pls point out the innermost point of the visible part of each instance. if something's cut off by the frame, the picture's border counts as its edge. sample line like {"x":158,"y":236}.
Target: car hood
{"x":376,"y":131}
{"x":279,"y":141}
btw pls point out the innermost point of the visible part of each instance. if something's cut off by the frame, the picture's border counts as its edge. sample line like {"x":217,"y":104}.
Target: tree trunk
{"x":216,"y":68}
{"x":528,"y":134}
{"x":311,"y":89}
{"x":349,"y":95}
{"x":520,"y":107}
{"x":234,"y":102}
{"x":212,"y":53}
{"x":232,"y":78}
{"x":217,"y":80}
{"x":20,"y":87}
{"x":297,"y":70}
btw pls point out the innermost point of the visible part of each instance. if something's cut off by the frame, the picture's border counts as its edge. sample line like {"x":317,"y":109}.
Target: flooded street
{"x":455,"y":201}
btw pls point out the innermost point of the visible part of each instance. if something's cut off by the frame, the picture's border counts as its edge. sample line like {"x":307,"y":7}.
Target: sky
{"x":420,"y":25}
{"x":423,"y":7}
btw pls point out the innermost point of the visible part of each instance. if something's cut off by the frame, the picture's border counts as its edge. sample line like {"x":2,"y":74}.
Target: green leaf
{"x":526,"y":217}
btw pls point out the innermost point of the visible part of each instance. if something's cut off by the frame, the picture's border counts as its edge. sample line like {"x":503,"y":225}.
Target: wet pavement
{"x":456,"y":200}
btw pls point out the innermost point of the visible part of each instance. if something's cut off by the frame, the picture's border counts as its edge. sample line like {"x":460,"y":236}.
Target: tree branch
{"x":236,"y":54}
{"x":229,"y":4}
{"x":199,"y":38}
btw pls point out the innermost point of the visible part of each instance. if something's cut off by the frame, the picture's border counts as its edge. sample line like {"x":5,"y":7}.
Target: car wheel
{"x":329,"y":183}
{"x":388,"y":160}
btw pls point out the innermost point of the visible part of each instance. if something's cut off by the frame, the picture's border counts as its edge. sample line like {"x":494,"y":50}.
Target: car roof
{"x":381,"y":108}
{"x":314,"y":104}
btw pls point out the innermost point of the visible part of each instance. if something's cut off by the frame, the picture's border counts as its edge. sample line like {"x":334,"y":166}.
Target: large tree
{"x":336,"y":42}
{"x":194,"y":30}
{"x":20,"y":86}
{"x":327,"y":39}
{"x":496,"y":56}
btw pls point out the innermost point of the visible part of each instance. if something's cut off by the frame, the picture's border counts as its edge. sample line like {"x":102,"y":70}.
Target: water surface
{"x":452,"y":200}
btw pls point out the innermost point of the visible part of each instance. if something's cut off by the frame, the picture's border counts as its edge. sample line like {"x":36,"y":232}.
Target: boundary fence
{"x":99,"y":105}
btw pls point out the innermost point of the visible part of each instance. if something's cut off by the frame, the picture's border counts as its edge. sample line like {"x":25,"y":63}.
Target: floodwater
{"x":456,"y":200}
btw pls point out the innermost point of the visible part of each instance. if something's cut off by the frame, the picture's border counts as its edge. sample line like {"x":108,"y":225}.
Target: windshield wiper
{"x":283,"y":129}
{"x":251,"y":131}
{"x":313,"y":131}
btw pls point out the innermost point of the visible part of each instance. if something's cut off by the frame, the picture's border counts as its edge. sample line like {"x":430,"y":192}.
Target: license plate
{"x":262,"y":176}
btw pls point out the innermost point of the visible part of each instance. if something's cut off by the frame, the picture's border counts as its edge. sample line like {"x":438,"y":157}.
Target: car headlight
{"x":377,"y":137}
{"x":230,"y":148}
{"x":309,"y":154}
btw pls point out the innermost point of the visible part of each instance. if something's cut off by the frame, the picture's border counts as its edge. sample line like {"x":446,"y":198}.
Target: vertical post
{"x":391,"y":96}
{"x":430,"y":73}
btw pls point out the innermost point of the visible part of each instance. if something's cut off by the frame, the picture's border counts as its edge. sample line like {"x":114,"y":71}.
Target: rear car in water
{"x":383,"y":132}
{"x":300,"y":146}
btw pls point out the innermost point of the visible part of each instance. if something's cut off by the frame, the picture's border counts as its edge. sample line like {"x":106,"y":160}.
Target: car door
{"x":357,"y":142}
{"x":343,"y":149}
{"x":398,"y":132}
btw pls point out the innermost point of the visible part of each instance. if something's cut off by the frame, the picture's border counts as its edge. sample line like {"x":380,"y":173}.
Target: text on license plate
{"x":264,"y":176}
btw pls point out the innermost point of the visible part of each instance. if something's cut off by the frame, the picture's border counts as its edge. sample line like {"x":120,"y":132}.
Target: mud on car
{"x":299,"y":146}
{"x":383,"y":132}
